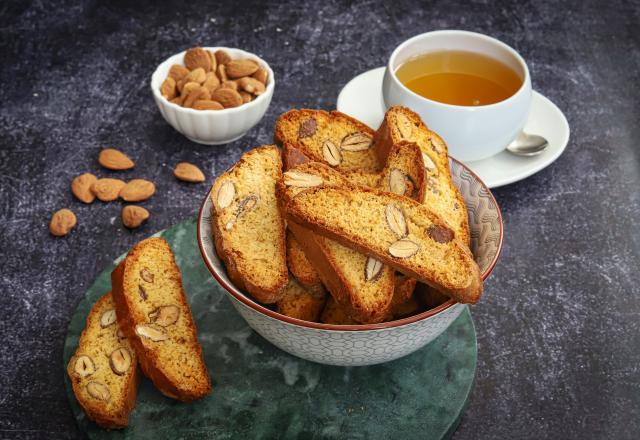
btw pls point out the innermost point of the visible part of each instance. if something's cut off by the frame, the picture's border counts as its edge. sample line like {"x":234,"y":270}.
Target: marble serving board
{"x":262,"y":392}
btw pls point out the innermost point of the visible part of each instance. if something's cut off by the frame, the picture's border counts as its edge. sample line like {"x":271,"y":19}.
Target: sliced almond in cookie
{"x":106,"y":189}
{"x":62,"y":222}
{"x":120,"y":360}
{"x":98,"y":391}
{"x":84,"y":366}
{"x":301,"y":180}
{"x":395,"y":220}
{"x":356,"y":142}
{"x":81,"y":187}
{"x":151,"y":332}
{"x":404,"y":248}
{"x":373,"y":269}
{"x":405,"y":128}
{"x":331,"y":153}
{"x":397,"y":182}
{"x":240,"y":68}
{"x":428,"y":163}
{"x":137,"y":190}
{"x":113,"y":159}
{"x":188,"y":172}
{"x":165,"y":316}
{"x":133,"y":216}
{"x":108,"y":318}
{"x":226,"y":194}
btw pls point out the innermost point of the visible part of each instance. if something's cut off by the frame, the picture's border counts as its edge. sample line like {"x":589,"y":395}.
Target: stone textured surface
{"x":558,"y":328}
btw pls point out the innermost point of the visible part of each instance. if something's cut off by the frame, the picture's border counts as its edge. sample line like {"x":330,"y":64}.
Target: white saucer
{"x":362,"y":99}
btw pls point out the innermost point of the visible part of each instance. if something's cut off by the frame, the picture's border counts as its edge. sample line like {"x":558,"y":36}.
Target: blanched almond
{"x":239,"y":68}
{"x":188,"y":172}
{"x":81,"y":187}
{"x":113,"y":159}
{"x":133,"y":216}
{"x":62,"y":222}
{"x":137,"y":190}
{"x":106,"y":189}
{"x":197,"y":57}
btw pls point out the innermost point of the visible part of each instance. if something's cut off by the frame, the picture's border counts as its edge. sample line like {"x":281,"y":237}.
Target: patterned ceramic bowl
{"x":372,"y":343}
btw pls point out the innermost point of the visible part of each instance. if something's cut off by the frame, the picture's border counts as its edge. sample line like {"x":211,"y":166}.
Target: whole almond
{"x":229,"y":84}
{"x":261,"y":75}
{"x":221,"y":72}
{"x":107,"y":189}
{"x":81,"y":187}
{"x":211,"y":82}
{"x":227,"y":97}
{"x":176,"y":100}
{"x":201,"y":93}
{"x":187,"y":90}
{"x":177,"y":72}
{"x":137,"y":190}
{"x":62,"y":222}
{"x":198,"y":76}
{"x":188,"y":172}
{"x":113,"y":159}
{"x":197,"y":57}
{"x":405,"y":128}
{"x":168,"y":88}
{"x":214,"y":62}
{"x":239,"y":68}
{"x":133,"y":216}
{"x":222,"y":57}
{"x":246,"y":97}
{"x":251,"y":85}
{"x":207,"y":105}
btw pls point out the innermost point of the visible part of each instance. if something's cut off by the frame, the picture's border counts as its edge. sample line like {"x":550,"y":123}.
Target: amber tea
{"x":459,"y":78}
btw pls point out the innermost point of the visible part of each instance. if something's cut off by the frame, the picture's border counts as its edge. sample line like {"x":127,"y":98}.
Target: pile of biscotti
{"x":145,"y":320}
{"x":371,"y":217}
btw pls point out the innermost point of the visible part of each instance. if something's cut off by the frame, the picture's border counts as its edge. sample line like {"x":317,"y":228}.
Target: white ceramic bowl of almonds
{"x":213,"y":127}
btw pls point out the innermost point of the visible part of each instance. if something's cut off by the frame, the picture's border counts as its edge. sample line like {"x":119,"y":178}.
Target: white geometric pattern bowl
{"x":352,"y":345}
{"x":212,"y":127}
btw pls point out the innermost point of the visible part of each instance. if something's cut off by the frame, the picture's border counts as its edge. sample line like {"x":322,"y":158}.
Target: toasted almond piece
{"x":397,"y":182}
{"x":356,"y":142}
{"x":222,"y":56}
{"x":261,"y":75}
{"x":168,"y":88}
{"x":395,"y":220}
{"x":142,"y":293}
{"x":188,"y":172}
{"x":147,"y":275}
{"x":107,"y":189}
{"x":428,"y":163}
{"x":308,"y":128}
{"x":137,"y":190}
{"x":165,"y":316}
{"x":62,"y":222}
{"x":108,"y":318}
{"x":113,"y":159}
{"x":197,"y":75}
{"x":331,"y":153}
{"x":299,"y":179}
{"x":98,"y":391}
{"x":81,"y":187}
{"x":404,"y":248}
{"x":229,"y":84}
{"x":227,"y":97}
{"x":405,"y":128}
{"x":440,"y":234}
{"x":251,"y":85}
{"x":214,"y":62}
{"x":226,"y":194}
{"x":197,"y":57}
{"x":239,"y":68}
{"x":372,"y":270}
{"x":221,"y":72}
{"x":177,"y":72}
{"x":211,"y":82}
{"x":133,"y":216}
{"x":84,"y":366}
{"x":207,"y":104}
{"x":151,"y":332}
{"x":246,"y":97}
{"x":120,"y":360}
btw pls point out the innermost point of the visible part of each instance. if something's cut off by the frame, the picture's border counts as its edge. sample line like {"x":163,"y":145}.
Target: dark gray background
{"x":558,"y":327}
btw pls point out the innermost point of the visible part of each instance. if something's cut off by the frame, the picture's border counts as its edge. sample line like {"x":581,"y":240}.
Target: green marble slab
{"x":261,"y":392}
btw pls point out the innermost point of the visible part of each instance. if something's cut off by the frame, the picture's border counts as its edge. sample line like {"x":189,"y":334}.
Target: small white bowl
{"x":212,"y":127}
{"x":353,"y":345}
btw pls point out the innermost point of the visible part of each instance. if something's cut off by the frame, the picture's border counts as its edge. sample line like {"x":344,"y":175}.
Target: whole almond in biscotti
{"x":168,"y":88}
{"x":396,"y":221}
{"x":62,"y":222}
{"x":356,"y":142}
{"x":81,"y":187}
{"x":251,"y":85}
{"x":428,"y":163}
{"x":137,"y":190}
{"x":404,"y":248}
{"x":222,"y":56}
{"x":331,"y":153}
{"x":405,"y":128}
{"x":211,"y":82}
{"x":113,"y":159}
{"x":373,"y":269}
{"x":134,"y":216}
{"x":227,"y":97}
{"x":261,"y":75}
{"x":207,"y":104}
{"x":246,"y":97}
{"x":226,"y":194}
{"x":222,"y":73}
{"x":239,"y":68}
{"x":197,"y":57}
{"x":188,"y":172}
{"x":397,"y":182}
{"x":299,"y":179}
{"x":107,"y":189}
{"x":178,"y":72}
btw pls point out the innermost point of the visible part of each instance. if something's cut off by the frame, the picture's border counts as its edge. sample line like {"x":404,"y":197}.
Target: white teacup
{"x":472,"y":133}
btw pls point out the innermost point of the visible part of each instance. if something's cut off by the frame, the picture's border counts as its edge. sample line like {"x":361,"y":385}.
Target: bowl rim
{"x":246,"y":300}
{"x":226,"y":111}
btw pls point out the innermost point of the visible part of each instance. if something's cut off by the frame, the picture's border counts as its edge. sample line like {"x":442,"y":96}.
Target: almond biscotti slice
{"x":301,"y":268}
{"x":299,"y":303}
{"x":333,"y":138}
{"x":334,"y":314}
{"x":248,"y":227}
{"x":104,"y":370}
{"x":404,"y":302}
{"x":393,"y":229}
{"x":441,"y":195}
{"x":361,"y":285}
{"x":154,"y":314}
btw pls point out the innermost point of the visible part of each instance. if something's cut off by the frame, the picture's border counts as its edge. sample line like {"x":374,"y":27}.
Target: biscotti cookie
{"x":300,"y":267}
{"x":299,"y":303}
{"x":248,"y":228}
{"x":334,"y":314}
{"x":441,"y":195}
{"x":154,"y":314}
{"x":393,"y":229}
{"x":404,"y":302}
{"x":332,"y":138}
{"x":404,"y":173}
{"x":104,"y":370}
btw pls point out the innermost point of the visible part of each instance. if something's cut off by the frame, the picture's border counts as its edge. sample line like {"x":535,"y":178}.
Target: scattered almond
{"x":227,"y":97}
{"x":239,"y":68}
{"x":62,"y":222}
{"x":207,"y":104}
{"x":222,"y":56}
{"x":133,"y":216}
{"x":188,"y":172}
{"x":197,"y":57}
{"x":113,"y":159}
{"x":106,"y":189}
{"x":81,"y":187}
{"x":137,"y":190}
